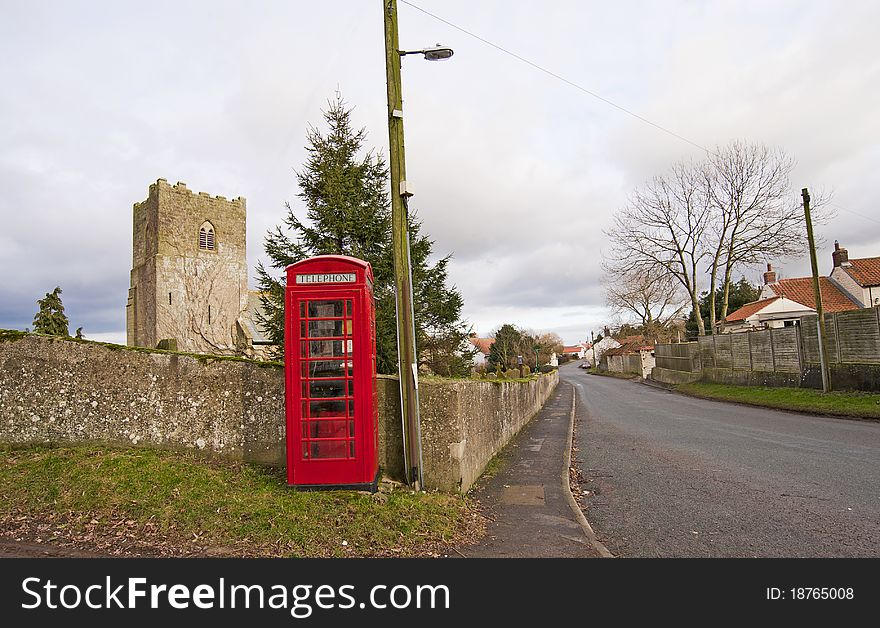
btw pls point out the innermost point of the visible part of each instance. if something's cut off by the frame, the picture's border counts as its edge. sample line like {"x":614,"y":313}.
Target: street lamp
{"x":435,"y":53}
{"x":407,"y":366}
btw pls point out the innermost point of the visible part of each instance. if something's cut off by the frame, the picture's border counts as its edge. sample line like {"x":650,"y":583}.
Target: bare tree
{"x":545,"y":344}
{"x":756,"y":214}
{"x":652,"y":298}
{"x":662,"y":231}
{"x":735,"y":208}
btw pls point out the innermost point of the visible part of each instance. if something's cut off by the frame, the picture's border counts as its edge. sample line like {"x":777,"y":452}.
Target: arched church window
{"x":206,"y":237}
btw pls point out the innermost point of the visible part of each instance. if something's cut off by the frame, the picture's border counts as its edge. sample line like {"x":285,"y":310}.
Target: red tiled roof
{"x":483,"y":345}
{"x":628,"y":340}
{"x":800,"y":289}
{"x":630,"y":347}
{"x":748,"y":309}
{"x":572,"y":349}
{"x":866,"y":271}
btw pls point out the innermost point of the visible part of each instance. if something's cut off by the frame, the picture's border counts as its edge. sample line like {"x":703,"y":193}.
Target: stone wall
{"x":673,"y":376}
{"x":466,"y":422}
{"x":64,"y":391}
{"x":55,"y":390}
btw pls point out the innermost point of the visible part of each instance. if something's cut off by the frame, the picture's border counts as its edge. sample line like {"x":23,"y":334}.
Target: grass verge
{"x":151,"y":502}
{"x":847,"y":404}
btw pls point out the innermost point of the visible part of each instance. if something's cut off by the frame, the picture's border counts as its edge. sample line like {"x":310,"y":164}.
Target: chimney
{"x":607,"y":332}
{"x":769,"y":276}
{"x":840,"y":256}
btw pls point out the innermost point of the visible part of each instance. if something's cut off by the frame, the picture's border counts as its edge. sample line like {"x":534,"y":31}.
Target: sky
{"x":515,"y":172}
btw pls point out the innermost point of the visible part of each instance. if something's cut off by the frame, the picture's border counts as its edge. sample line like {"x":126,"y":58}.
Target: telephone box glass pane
{"x":327,"y":348}
{"x":324,"y":329}
{"x":325,"y":368}
{"x":325,"y":309}
{"x":326,"y":388}
{"x":330,"y":449}
{"x":326,"y":408}
{"x":328,"y":429}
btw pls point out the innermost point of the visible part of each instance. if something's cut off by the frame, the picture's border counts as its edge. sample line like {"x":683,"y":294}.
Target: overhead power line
{"x":557,"y":76}
{"x":583,"y":89}
{"x":852,"y":211}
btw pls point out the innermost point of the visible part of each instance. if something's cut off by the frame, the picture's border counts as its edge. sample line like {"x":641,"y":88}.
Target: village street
{"x":670,"y":475}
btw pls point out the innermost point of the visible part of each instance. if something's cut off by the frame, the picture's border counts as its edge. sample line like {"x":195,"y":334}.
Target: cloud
{"x":515,"y":172}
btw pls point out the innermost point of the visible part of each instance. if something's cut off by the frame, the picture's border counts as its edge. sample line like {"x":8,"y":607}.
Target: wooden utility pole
{"x":817,"y":293}
{"x":407,"y":366}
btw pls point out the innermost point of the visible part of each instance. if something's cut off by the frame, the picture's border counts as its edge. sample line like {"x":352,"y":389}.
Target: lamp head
{"x":437,"y":53}
{"x":434,"y":53}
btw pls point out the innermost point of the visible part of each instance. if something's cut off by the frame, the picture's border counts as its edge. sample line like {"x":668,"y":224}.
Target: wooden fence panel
{"x":859,"y":336}
{"x":762,"y":358}
{"x":723,"y":353}
{"x":785,"y":349}
{"x":740,"y":353}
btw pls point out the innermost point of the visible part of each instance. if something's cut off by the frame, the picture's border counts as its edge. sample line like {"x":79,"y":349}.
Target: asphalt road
{"x":670,"y":475}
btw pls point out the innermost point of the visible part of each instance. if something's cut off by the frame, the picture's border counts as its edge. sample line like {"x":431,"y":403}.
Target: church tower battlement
{"x":189,"y":270}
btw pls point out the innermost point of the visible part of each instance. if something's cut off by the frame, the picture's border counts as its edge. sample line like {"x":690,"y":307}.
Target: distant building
{"x":599,"y":348}
{"x":483,"y":347}
{"x":635,"y":355}
{"x":189,"y":276}
{"x":574,"y":351}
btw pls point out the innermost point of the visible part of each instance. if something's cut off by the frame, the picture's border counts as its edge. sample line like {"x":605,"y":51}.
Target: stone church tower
{"x":189,"y":271}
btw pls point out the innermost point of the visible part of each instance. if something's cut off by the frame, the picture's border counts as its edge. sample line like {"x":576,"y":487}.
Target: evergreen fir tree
{"x":504,"y":350}
{"x":345,"y":193}
{"x":50,"y":318}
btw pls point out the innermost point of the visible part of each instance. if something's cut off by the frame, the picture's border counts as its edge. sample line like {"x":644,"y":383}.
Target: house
{"x":599,"y":348}
{"x":858,"y":278}
{"x":635,"y":356}
{"x":574,"y":351}
{"x":483,"y":346}
{"x":853,"y":284}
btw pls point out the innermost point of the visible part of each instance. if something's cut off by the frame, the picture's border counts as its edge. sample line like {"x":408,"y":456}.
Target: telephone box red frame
{"x":330,"y":374}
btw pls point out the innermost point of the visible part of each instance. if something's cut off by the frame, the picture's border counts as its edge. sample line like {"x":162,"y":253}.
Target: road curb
{"x":652,"y":383}
{"x":595,"y":543}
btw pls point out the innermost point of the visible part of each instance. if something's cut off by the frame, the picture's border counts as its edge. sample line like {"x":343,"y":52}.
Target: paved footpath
{"x":528,"y":507}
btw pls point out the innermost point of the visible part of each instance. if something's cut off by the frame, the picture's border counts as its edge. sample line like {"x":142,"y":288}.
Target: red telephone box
{"x":330,"y":363}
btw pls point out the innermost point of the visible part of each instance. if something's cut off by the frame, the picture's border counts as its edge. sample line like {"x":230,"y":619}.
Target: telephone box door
{"x":330,"y":361}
